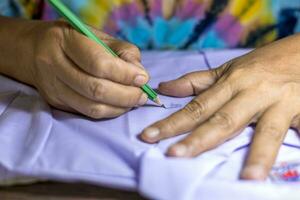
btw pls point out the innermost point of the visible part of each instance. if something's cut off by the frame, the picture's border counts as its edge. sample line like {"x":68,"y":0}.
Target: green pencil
{"x":82,"y":28}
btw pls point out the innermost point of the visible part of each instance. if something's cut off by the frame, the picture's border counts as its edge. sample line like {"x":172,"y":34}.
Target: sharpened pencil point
{"x":158,"y":102}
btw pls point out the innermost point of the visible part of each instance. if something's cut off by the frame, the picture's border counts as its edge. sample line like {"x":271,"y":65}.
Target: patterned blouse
{"x":177,"y":24}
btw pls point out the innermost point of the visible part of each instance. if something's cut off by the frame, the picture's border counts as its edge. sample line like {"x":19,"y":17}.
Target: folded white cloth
{"x":39,"y":142}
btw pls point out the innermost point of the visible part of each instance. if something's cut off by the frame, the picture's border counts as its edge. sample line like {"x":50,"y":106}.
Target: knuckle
{"x":169,"y":128}
{"x":130,"y":52}
{"x":65,"y":28}
{"x":223,"y":120}
{"x":99,"y":65}
{"x":53,"y":101}
{"x":133,"y":49}
{"x":263,"y":88}
{"x":94,"y":64}
{"x":59,"y":30}
{"x":195,"y":109}
{"x":56,"y":29}
{"x":61,"y":23}
{"x":236,"y":73}
{"x":222,"y":70}
{"x":271,"y":132}
{"x":95,"y":112}
{"x":42,"y":60}
{"x":136,"y":52}
{"x":97,"y":90}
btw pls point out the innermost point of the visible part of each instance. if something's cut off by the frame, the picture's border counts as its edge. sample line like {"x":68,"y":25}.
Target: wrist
{"x":17,"y":42}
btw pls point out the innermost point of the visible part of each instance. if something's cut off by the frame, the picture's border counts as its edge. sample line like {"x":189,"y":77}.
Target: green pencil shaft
{"x":82,"y":28}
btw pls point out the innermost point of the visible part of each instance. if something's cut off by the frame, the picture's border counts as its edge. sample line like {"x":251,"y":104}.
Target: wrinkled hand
{"x":262,"y":86}
{"x":76,"y":74}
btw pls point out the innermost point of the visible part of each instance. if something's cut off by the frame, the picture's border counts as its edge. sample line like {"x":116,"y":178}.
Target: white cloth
{"x":40,"y":142}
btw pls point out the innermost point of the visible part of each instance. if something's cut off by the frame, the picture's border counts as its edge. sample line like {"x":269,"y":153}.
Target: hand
{"x":76,"y":74}
{"x":262,"y":86}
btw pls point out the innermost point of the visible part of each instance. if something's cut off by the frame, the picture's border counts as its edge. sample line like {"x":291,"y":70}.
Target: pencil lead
{"x":158,"y":102}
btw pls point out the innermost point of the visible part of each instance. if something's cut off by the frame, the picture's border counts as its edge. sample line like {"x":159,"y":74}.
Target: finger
{"x":193,"y":83}
{"x":269,"y":135}
{"x":98,"y":89}
{"x":86,"y":106}
{"x":189,"y":84}
{"x":125,"y":50}
{"x":55,"y":102}
{"x":191,"y":115}
{"x":223,"y":125}
{"x":101,"y":34}
{"x":95,"y":60}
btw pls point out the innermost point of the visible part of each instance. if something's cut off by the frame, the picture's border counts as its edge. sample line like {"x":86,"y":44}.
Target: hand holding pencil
{"x":76,"y":74}
{"x":73,"y":72}
{"x":65,"y":12}
{"x":74,"y":67}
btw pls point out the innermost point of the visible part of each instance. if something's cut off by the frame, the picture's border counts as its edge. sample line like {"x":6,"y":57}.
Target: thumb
{"x":193,"y":83}
{"x":189,"y":84}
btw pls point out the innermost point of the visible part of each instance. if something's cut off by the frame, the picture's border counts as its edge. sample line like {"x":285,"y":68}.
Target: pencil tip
{"x":157,"y":101}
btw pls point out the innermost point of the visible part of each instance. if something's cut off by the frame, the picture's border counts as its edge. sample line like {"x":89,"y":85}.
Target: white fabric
{"x":40,"y":142}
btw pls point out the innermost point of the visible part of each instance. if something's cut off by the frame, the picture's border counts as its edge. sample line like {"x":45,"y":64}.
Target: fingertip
{"x":140,"y":80}
{"x":254,"y":172}
{"x":150,"y":135}
{"x":177,"y":150}
{"x":164,"y":87}
{"x":142,"y":77}
{"x":177,"y":88}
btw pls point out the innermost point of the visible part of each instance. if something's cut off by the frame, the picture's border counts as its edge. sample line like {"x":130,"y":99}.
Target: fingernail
{"x":140,"y":80}
{"x":254,"y":172}
{"x":143,"y":99}
{"x":151,"y":132}
{"x":179,"y":150}
{"x":161,"y":84}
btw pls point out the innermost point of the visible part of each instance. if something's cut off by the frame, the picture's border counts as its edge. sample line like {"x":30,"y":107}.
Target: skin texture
{"x":262,"y":86}
{"x":69,"y":70}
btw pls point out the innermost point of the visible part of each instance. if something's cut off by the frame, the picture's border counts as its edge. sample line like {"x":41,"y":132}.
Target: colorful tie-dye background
{"x":178,"y":24}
